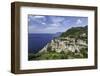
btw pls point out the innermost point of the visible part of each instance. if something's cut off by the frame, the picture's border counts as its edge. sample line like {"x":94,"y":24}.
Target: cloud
{"x":55,"y":24}
{"x":43,"y":23}
{"x":50,"y":28}
{"x":57,"y":19}
{"x":36,"y":20}
{"x":78,"y":21}
{"x":38,"y":16}
{"x":41,"y":26}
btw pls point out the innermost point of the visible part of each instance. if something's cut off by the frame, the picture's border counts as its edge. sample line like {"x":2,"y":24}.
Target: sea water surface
{"x":37,"y":41}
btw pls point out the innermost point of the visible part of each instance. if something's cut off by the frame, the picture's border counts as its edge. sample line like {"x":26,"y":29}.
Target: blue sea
{"x":37,"y":41}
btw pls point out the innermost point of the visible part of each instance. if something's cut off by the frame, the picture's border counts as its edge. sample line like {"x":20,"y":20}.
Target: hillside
{"x":75,"y":32}
{"x":70,"y":44}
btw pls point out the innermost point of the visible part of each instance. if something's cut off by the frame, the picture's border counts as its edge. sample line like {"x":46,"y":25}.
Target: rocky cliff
{"x":72,"y":40}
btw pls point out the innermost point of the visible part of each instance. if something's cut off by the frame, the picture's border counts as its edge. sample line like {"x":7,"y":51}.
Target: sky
{"x":54,"y":24}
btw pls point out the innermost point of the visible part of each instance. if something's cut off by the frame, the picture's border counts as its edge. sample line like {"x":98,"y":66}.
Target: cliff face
{"x":72,"y":40}
{"x":65,"y":44}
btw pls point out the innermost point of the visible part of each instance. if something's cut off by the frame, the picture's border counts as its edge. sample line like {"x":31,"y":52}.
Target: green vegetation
{"x":75,"y":32}
{"x":55,"y":55}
